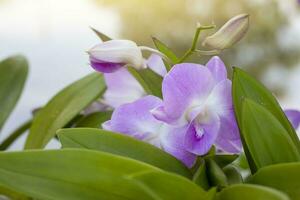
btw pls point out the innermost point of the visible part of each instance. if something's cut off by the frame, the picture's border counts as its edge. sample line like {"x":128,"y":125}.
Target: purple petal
{"x":200,"y":137}
{"x":228,"y":139}
{"x":134,"y":119}
{"x":105,"y":67}
{"x":184,"y":84}
{"x":122,"y":88}
{"x":156,"y":63}
{"x":173,"y":143}
{"x":220,"y":99}
{"x":217,"y":68}
{"x":294,"y":117}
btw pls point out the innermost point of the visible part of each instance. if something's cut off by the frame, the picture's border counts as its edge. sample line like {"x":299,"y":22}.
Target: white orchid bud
{"x":111,"y":55}
{"x":229,"y":34}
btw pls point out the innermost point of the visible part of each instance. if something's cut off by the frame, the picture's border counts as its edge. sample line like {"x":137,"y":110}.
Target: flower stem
{"x":195,"y":41}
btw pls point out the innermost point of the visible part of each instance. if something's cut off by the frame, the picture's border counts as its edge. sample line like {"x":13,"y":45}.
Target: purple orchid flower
{"x":134,"y":119}
{"x":123,"y":88}
{"x":196,"y":113}
{"x":294,"y":117}
{"x":112,"y":55}
{"x":198,"y":98}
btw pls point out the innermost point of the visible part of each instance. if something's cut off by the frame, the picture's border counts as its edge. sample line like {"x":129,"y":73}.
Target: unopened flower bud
{"x":111,"y":55}
{"x":229,"y":34}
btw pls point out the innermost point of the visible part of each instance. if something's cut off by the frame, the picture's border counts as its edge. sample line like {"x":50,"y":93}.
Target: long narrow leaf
{"x":62,"y":108}
{"x":122,"y":145}
{"x":76,"y":174}
{"x":266,"y":139}
{"x":13,"y":74}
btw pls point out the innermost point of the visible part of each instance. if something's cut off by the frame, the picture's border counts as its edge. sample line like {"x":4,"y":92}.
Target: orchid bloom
{"x":112,"y":55}
{"x":195,"y":113}
{"x":199,"y":98}
{"x":134,"y":119}
{"x":294,"y":117}
{"x":123,"y":88}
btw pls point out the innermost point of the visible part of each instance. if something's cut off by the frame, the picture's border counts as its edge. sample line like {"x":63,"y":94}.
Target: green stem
{"x":195,"y":41}
{"x":14,"y":135}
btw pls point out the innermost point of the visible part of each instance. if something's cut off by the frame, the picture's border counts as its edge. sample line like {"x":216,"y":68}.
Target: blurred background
{"x":54,"y":35}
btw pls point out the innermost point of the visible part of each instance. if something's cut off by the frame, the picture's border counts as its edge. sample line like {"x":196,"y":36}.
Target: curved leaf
{"x":13,"y":74}
{"x":83,"y":174}
{"x":244,"y":86}
{"x":168,"y":187}
{"x":62,"y":108}
{"x":284,"y":177}
{"x":149,"y":80}
{"x":165,"y":50}
{"x":266,"y":139}
{"x":200,"y":177}
{"x":250,"y":192}
{"x":15,"y":135}
{"x":94,"y":120}
{"x":122,"y":145}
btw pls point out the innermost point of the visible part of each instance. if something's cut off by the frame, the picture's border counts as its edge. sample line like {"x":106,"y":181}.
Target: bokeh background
{"x":54,"y":34}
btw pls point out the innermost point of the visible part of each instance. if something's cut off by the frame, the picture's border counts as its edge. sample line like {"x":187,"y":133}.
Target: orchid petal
{"x":156,"y":63}
{"x":113,"y":54}
{"x":183,"y":85}
{"x":200,"y":137}
{"x":294,"y":117}
{"x":228,"y":139}
{"x":122,"y":88}
{"x":173,"y":143}
{"x":217,"y":68}
{"x":134,"y":119}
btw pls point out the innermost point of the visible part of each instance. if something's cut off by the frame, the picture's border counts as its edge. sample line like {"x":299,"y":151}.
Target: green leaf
{"x":171,"y":187}
{"x":224,"y":159}
{"x":77,"y":174}
{"x":284,"y":177}
{"x":215,"y":175}
{"x":122,"y":145}
{"x":12,"y":194}
{"x":200,"y":177}
{"x":102,"y":36}
{"x":165,"y":50}
{"x":250,"y":192}
{"x":94,"y":120}
{"x":266,"y":139}
{"x":15,"y":135}
{"x":232,"y":174}
{"x":13,"y":74}
{"x":244,"y":86}
{"x":70,"y":174}
{"x":62,"y":108}
{"x":149,"y":80}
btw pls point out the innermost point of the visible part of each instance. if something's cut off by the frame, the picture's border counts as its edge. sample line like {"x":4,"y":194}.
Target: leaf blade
{"x":122,"y":145}
{"x":267,"y":140}
{"x":284,"y":177}
{"x":13,"y":74}
{"x":250,"y":192}
{"x":62,"y":108}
